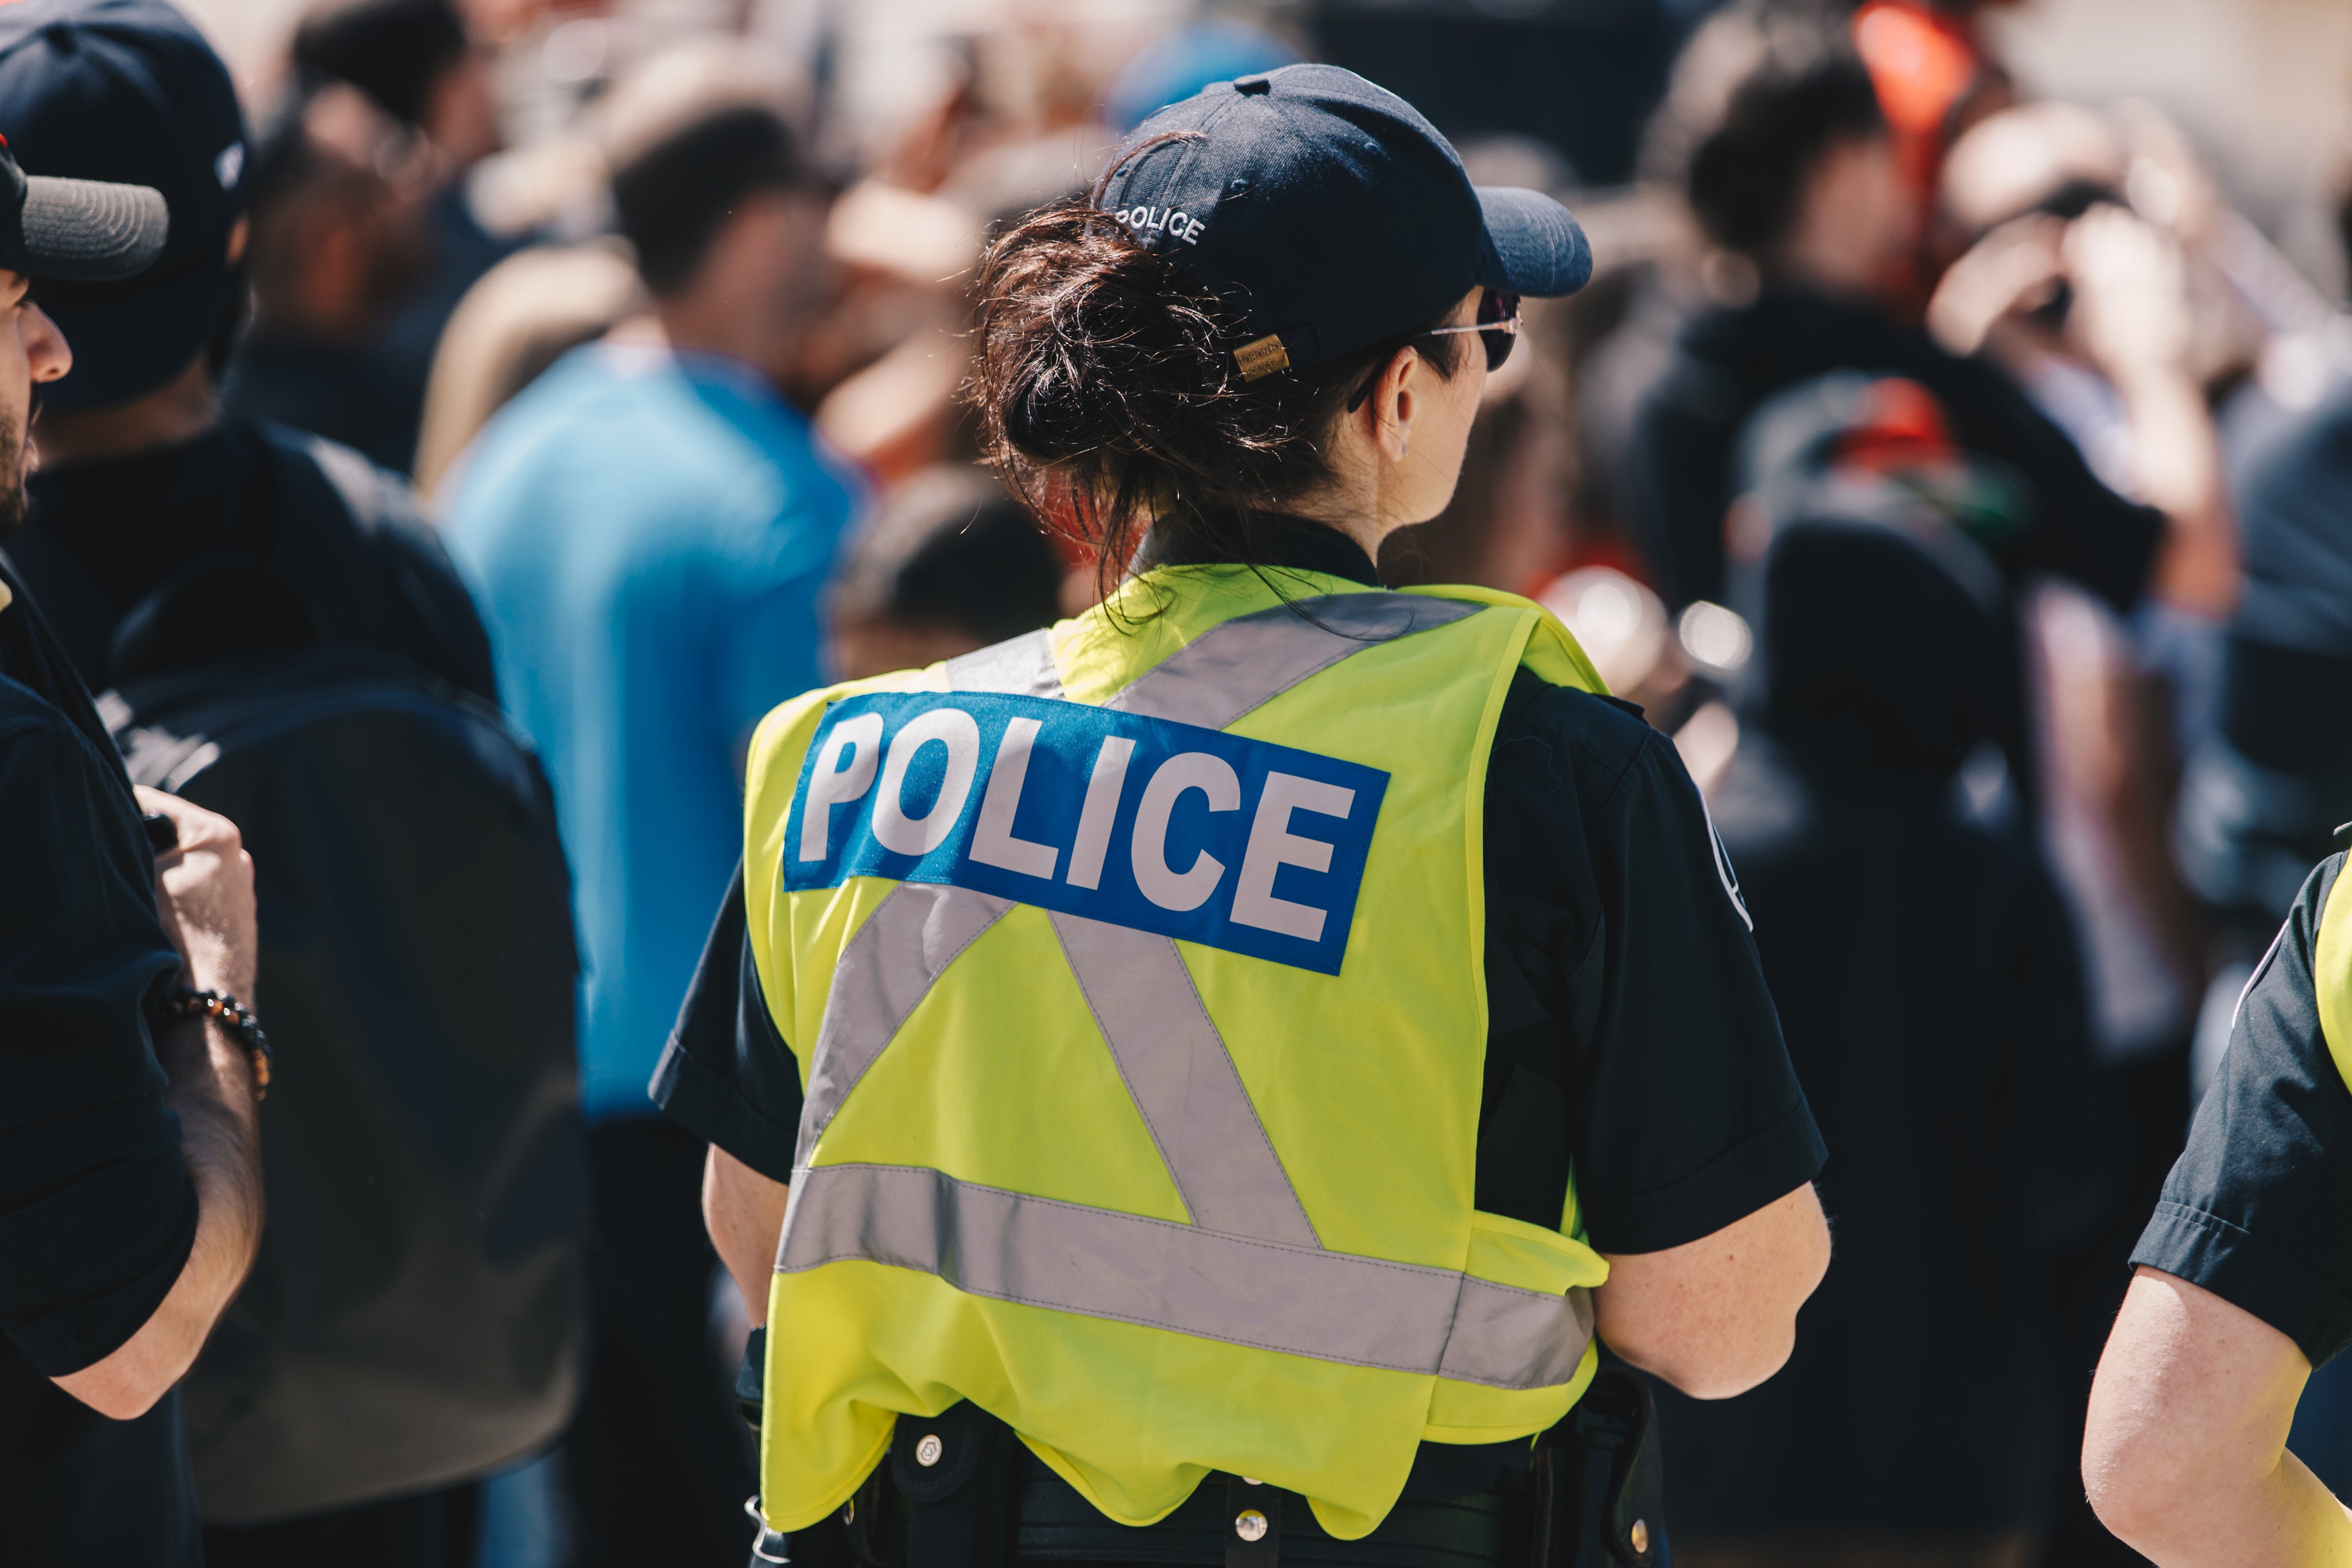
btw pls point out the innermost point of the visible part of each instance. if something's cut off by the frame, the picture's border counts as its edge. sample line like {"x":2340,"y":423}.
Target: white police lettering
{"x":1173,"y":221}
{"x":959,"y":734}
{"x":1213,"y":778}
{"x":837,"y":781}
{"x":993,"y":843}
{"x":1272,"y":845}
{"x":1100,"y":811}
{"x":1026,"y":798}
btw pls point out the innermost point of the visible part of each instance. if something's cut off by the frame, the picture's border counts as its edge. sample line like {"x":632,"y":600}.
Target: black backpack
{"x":417,"y":1313}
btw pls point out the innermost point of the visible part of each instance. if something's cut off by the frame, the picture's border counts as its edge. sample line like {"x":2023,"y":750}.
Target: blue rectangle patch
{"x":1231,"y":843}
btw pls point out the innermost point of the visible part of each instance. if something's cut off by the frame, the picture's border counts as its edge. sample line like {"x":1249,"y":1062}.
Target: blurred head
{"x":949,"y":564}
{"x":339,"y":223}
{"x":1786,"y":159}
{"x":725,"y":213}
{"x":127,"y":90}
{"x":414,"y":59}
{"x":1283,"y":296}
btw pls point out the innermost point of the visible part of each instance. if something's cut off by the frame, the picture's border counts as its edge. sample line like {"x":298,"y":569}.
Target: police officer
{"x":2243,"y":1281}
{"x":1242,"y":1040}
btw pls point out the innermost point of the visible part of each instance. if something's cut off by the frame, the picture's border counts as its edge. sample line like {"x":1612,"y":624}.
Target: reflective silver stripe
{"x":1242,"y":664}
{"x":1510,"y":1338}
{"x":1023,"y":667}
{"x":1183,"y":1081}
{"x":1302,"y":1301}
{"x":909,"y":941}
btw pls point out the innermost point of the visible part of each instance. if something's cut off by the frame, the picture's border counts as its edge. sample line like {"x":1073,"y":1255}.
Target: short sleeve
{"x":97,"y":1212}
{"x":727,"y":1075}
{"x":2258,"y":1207}
{"x":1622,"y":954}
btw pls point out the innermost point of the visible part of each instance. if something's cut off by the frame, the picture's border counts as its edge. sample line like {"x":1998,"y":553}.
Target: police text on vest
{"x":1194,"y":833}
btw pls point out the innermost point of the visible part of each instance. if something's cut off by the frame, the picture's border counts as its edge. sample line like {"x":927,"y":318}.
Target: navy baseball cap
{"x":128,"y":92}
{"x":1329,"y":213}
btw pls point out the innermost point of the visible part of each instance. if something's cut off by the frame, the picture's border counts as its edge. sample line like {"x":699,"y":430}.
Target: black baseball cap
{"x":86,"y":231}
{"x":127,"y":93}
{"x":1329,"y":213}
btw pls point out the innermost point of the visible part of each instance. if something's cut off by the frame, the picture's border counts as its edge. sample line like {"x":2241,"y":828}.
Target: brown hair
{"x":1109,"y":401}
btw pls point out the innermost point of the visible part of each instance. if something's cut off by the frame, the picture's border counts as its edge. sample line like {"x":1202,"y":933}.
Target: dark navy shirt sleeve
{"x":1631,"y":1037}
{"x":97,"y":1212}
{"x":727,"y":1076}
{"x":2257,"y":1206}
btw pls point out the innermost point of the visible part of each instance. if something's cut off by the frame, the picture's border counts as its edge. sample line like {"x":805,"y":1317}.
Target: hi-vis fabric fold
{"x":2331,"y":975}
{"x":1145,"y":999}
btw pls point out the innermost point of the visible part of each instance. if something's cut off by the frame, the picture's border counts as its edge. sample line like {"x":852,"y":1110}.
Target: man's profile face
{"x":32,"y":350}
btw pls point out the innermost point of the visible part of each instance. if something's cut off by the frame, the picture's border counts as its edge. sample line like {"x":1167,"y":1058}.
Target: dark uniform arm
{"x":727,"y":1076}
{"x":2259,"y":1208}
{"x":2240,"y":1290}
{"x":97,"y":1211}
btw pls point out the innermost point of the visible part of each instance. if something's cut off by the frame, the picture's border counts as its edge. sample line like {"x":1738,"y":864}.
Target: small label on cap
{"x":1262,"y":357}
{"x":1174,"y":222}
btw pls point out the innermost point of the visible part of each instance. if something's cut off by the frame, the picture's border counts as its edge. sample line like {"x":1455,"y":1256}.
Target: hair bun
{"x":1049,"y":417}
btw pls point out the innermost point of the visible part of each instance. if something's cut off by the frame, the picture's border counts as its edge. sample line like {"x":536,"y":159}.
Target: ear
{"x":1395,"y":402}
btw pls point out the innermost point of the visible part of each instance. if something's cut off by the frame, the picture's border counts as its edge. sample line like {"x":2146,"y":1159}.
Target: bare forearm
{"x":744,"y":1212}
{"x":2179,"y":460}
{"x":1716,"y":1316}
{"x":211,"y":1090}
{"x":2184,"y":1454}
{"x":2214,"y":1518}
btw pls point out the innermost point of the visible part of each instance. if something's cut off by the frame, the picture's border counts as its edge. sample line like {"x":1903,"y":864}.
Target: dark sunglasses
{"x":1498,"y":327}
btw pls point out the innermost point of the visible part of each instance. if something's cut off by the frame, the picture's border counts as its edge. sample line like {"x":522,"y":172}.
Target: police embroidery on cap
{"x":1190,"y":833}
{"x":1174,"y":222}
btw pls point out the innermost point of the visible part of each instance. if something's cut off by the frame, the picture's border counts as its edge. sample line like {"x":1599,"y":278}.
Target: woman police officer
{"x":1258,"y":1029}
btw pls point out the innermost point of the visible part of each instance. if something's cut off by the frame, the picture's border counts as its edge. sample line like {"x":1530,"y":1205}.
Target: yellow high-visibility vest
{"x":1135,"y":972}
{"x":2331,"y":975}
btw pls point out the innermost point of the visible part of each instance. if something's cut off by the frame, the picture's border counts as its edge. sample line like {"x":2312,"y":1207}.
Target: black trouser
{"x":433,"y":1530}
{"x":984,"y":1500}
{"x":656,"y":1463}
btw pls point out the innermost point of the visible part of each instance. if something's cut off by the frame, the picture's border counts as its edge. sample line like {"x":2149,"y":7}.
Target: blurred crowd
{"x":1957,"y":476}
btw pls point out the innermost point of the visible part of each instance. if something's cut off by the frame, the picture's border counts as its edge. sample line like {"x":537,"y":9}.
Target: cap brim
{"x":86,"y":231}
{"x":1534,"y":247}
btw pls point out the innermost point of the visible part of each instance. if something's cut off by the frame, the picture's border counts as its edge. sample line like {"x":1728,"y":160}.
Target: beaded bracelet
{"x":238,"y":1020}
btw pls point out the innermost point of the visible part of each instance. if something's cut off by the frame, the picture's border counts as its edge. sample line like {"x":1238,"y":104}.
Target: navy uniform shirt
{"x":2256,"y":1208}
{"x":1630,"y":1033}
{"x":97,"y":1212}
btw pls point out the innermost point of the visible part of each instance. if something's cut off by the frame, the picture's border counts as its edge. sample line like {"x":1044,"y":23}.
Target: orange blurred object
{"x":1899,"y":423}
{"x":1927,"y":64}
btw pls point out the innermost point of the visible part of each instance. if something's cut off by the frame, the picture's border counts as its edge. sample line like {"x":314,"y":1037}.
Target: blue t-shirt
{"x":649,"y":533}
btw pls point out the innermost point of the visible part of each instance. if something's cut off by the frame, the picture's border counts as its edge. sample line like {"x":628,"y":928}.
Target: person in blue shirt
{"x":650,"y":528}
